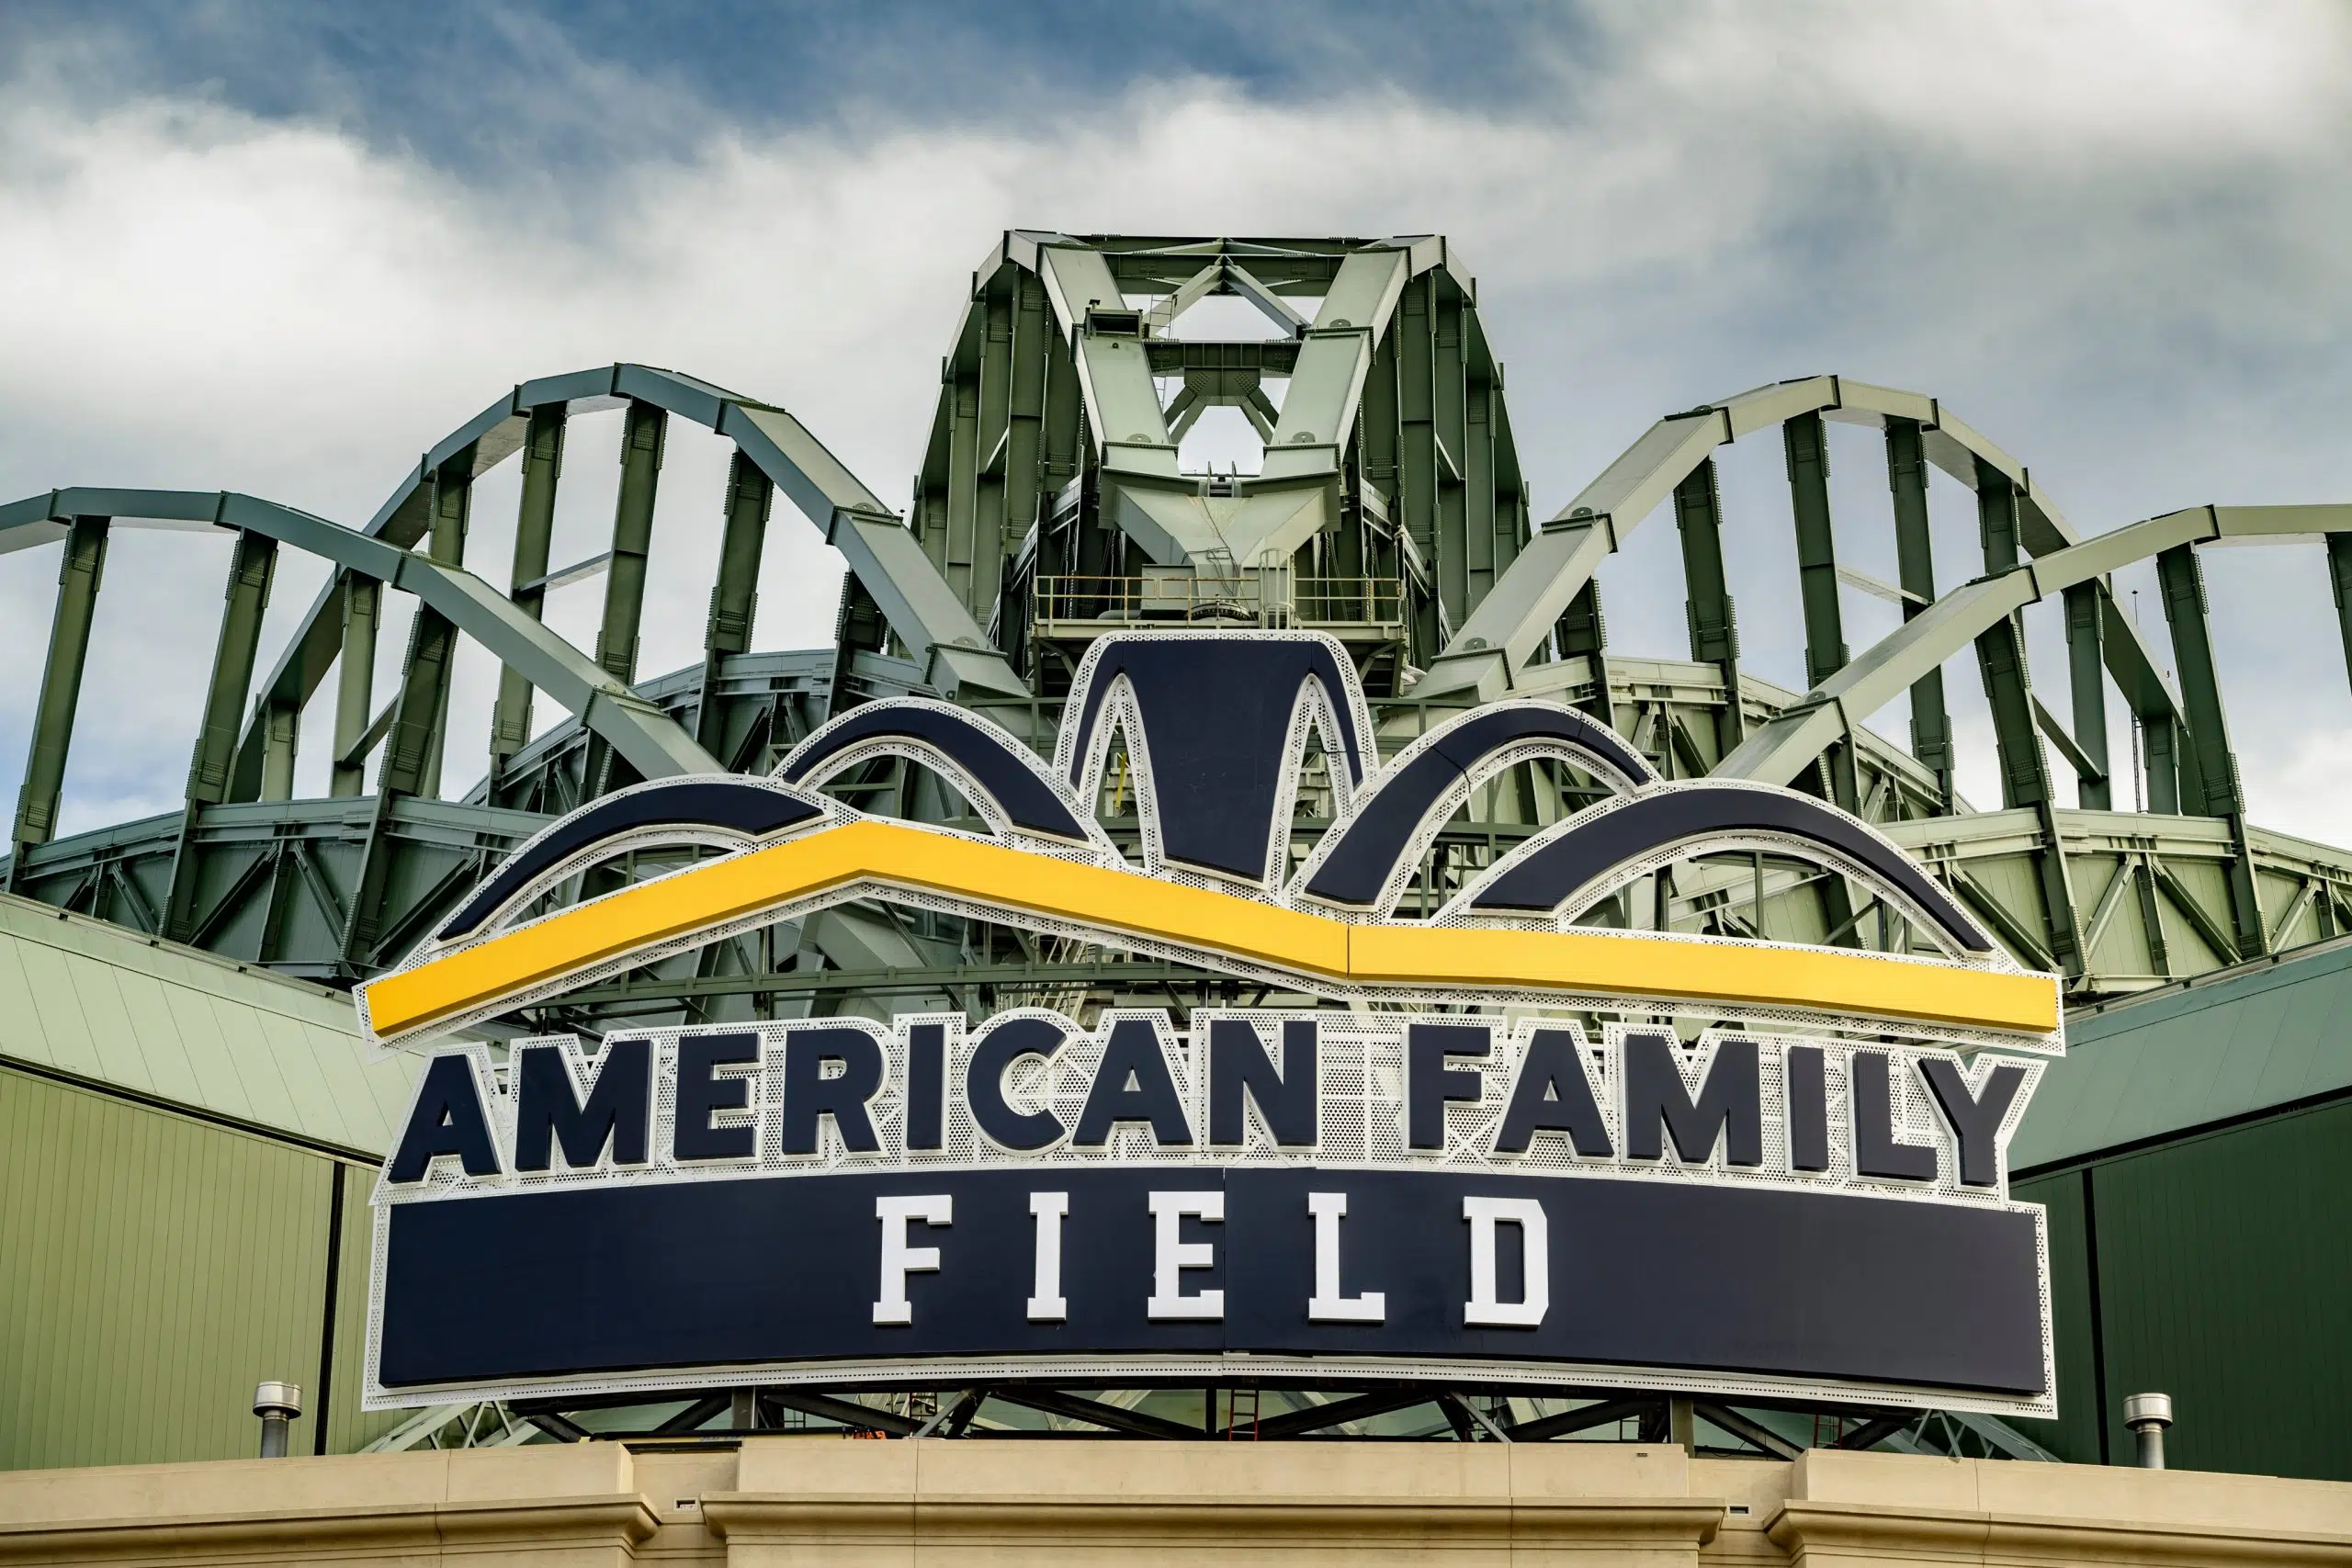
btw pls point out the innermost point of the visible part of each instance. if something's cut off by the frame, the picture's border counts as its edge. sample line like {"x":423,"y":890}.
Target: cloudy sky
{"x":283,"y":248}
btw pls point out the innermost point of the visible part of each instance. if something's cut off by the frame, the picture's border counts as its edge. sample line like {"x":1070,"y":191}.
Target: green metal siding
{"x":2225,"y":1271}
{"x":2075,"y":1435}
{"x":349,"y":1428}
{"x":155,"y":1269}
{"x":2219,"y":1274}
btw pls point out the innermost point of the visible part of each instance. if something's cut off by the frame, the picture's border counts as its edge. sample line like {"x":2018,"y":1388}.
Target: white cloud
{"x":2118,"y":238}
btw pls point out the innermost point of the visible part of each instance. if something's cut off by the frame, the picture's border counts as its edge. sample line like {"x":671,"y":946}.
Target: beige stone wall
{"x":781,"y":1500}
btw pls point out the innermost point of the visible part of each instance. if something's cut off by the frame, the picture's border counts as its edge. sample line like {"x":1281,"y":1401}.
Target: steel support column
{"x":78,"y":575}
{"x":1807,"y":449}
{"x":433,"y":641}
{"x":642,"y":435}
{"x":1451,"y":423}
{"x":1417,"y":457}
{"x":1805,"y":444}
{"x":2339,"y":580}
{"x":960,"y":378}
{"x":1032,"y":343}
{"x":1714,"y":629}
{"x":2160,"y":750}
{"x":2087,"y":662}
{"x":413,"y":745}
{"x":252,"y":563}
{"x":990,"y":535}
{"x":542,"y":465}
{"x":362,"y":599}
{"x":2008,"y":692}
{"x":1582,"y":634}
{"x":1906,"y":476}
{"x":2181,"y":579}
{"x":734,"y":598}
{"x":281,"y":740}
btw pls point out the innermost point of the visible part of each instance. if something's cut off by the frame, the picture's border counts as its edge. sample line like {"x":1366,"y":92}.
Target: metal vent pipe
{"x":278,"y":1403}
{"x":2148,"y":1414}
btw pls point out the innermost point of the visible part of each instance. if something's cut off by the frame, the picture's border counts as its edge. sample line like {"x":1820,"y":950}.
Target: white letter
{"x":1170,"y":1258}
{"x":1045,"y":1302}
{"x":1328,"y":1306}
{"x":1535,"y":1261}
{"x":899,"y":1259}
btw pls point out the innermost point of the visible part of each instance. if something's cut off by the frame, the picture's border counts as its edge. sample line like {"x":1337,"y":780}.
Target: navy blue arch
{"x":1366,"y":854}
{"x":753,"y":810}
{"x":1215,"y":712}
{"x":990,"y":759}
{"x":1552,"y":873}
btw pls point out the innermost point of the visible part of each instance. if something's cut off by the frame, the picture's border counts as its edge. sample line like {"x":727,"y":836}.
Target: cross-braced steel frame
{"x":1052,"y":504}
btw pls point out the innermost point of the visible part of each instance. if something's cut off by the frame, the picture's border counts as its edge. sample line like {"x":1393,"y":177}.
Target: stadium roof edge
{"x":97,"y":1004}
{"x":2257,"y":1037}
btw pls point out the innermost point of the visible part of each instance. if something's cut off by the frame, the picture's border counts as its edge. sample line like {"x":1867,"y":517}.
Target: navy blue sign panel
{"x":1215,"y":713}
{"x":1169,"y":1261}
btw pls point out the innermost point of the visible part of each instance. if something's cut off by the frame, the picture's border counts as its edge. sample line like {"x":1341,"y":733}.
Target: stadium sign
{"x":1496,"y":1145}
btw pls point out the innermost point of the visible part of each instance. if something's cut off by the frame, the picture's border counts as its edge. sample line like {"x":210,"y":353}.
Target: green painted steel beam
{"x":922,"y":609}
{"x":1778,"y":750}
{"x":362,"y":599}
{"x":253,"y":561}
{"x":1481,"y":551}
{"x":2087,"y":666}
{"x":2160,"y":754}
{"x":992,"y":429}
{"x":1806,"y":446}
{"x":734,"y":598}
{"x":1034,"y":344}
{"x":654,"y":745}
{"x":2339,"y":582}
{"x":1584,"y":634}
{"x":1451,"y":425}
{"x":78,"y":575}
{"x":926,"y":616}
{"x":1714,"y":628}
{"x":1996,"y":517}
{"x":281,"y":744}
{"x":411,"y":760}
{"x":961,"y":387}
{"x":1490,"y":648}
{"x":1418,"y":463}
{"x":421,"y":725}
{"x":1907,"y":477}
{"x":644,"y":432}
{"x":542,"y":463}
{"x":1334,"y":358}
{"x":2017,"y":738}
{"x":1515,"y":619}
{"x":2182,"y":581}
{"x":2025,"y":782}
{"x":1122,"y":410}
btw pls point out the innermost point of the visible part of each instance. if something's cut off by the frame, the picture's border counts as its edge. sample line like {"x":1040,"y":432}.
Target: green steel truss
{"x":1052,"y":505}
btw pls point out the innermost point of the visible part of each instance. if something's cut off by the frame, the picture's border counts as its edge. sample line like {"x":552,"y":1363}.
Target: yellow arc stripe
{"x":712,"y":894}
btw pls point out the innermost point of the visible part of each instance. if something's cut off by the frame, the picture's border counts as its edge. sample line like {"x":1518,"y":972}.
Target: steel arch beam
{"x":652,"y":742}
{"x":1511,"y":623}
{"x":1781,"y":748}
{"x":917,"y":601}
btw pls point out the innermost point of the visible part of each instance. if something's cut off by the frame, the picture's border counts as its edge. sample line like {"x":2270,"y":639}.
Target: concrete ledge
{"x":781,"y":1502}
{"x":541,"y":1505}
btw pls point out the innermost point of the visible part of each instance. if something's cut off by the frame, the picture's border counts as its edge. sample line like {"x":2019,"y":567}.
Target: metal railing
{"x":1273,"y":597}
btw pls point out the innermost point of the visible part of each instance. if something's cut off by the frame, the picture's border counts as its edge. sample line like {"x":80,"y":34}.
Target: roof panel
{"x":170,"y":1023}
{"x":2222,"y":1047}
